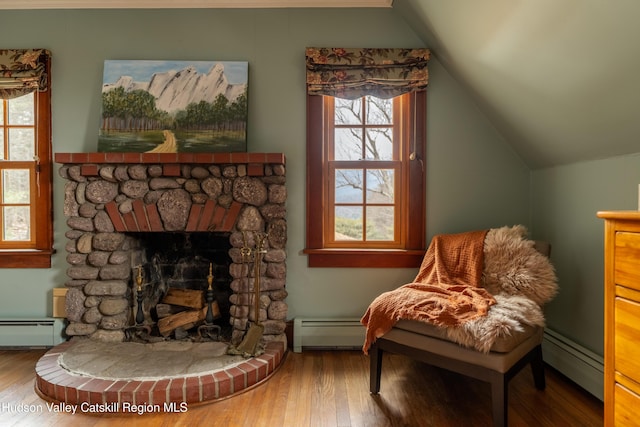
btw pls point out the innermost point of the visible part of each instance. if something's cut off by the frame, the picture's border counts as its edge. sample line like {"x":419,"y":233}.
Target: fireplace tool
{"x":139,"y":328}
{"x":209,"y":329}
{"x":250,"y":344}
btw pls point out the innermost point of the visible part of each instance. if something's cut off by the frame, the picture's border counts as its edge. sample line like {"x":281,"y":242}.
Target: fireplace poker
{"x":139,"y":329}
{"x":213,"y":312}
{"x":250,"y":342}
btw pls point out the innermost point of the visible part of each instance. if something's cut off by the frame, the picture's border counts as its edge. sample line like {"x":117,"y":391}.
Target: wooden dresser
{"x":621,"y":318}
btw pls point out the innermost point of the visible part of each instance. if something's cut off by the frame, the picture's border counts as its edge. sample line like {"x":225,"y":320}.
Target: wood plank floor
{"x":326,"y":388}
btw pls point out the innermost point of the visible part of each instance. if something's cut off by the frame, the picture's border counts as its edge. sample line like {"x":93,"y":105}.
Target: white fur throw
{"x":521,"y":280}
{"x":513,"y":266}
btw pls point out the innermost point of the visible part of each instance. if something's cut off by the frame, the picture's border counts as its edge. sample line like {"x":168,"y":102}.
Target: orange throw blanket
{"x":445,"y":292}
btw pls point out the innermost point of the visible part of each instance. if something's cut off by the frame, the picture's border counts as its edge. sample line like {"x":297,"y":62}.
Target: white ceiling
{"x":176,"y":4}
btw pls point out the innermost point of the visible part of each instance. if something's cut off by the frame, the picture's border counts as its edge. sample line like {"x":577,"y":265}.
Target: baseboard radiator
{"x":577,"y":363}
{"x":320,"y":333}
{"x":43,"y":332}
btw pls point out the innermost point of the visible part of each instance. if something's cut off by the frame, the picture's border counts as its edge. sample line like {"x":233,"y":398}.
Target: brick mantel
{"x":177,"y":158}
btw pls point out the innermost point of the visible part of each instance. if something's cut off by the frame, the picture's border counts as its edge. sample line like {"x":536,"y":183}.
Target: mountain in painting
{"x":174,"y":90}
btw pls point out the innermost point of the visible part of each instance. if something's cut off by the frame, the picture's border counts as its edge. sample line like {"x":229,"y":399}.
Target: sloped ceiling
{"x":559,"y":79}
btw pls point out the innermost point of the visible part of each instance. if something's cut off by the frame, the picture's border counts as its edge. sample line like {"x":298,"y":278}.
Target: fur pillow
{"x":512,"y":266}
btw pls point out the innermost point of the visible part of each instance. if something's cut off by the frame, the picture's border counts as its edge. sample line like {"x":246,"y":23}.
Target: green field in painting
{"x":187,"y":141}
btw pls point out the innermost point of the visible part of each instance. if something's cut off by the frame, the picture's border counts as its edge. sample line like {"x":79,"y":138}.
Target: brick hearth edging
{"x":54,"y":383}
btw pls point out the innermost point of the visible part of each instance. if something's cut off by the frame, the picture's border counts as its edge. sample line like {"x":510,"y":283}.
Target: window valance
{"x":23,"y":71}
{"x":351,"y":73}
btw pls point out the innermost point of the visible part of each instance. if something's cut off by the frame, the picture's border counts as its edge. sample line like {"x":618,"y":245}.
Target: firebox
{"x":178,"y":272}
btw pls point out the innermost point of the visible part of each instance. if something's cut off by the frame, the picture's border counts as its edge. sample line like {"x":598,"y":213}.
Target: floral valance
{"x":23,"y":71}
{"x":352,"y":73}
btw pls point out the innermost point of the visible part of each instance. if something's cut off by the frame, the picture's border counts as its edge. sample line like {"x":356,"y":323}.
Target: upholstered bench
{"x":508,"y":353}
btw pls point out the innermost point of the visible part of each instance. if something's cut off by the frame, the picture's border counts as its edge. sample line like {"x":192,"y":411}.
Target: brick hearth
{"x":54,"y":383}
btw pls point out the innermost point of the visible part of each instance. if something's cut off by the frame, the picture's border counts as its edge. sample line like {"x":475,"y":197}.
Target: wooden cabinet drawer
{"x":627,"y":259}
{"x":625,"y":407}
{"x":627,"y":338}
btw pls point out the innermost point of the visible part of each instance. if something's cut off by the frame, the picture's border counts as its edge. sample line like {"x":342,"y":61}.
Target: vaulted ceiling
{"x":557,"y":78}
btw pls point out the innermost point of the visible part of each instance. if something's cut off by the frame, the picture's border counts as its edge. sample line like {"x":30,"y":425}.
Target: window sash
{"x":330,"y":217}
{"x":27,"y":243}
{"x":363,"y":164}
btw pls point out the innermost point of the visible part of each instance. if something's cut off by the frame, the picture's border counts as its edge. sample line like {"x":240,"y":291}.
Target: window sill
{"x":28,"y":258}
{"x":364,"y":258}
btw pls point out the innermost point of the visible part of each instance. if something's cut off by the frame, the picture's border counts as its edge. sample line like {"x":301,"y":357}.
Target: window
{"x":366,"y":127}
{"x":364,"y":171}
{"x":25,"y":163}
{"x":365,"y":181}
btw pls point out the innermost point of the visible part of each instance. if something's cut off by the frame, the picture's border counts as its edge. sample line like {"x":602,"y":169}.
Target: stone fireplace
{"x":123,"y":208}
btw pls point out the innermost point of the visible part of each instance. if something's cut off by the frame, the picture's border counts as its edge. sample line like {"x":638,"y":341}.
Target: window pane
{"x":21,"y":144}
{"x":379,"y":144}
{"x":379,"y":111}
{"x":2,"y":155}
{"x":348,"y":222}
{"x":380,"y":185}
{"x":348,"y":144}
{"x":380,"y":223}
{"x":16,"y":223}
{"x":348,"y":186}
{"x":348,"y":111}
{"x":21,"y":110}
{"x":1,"y":112}
{"x":15,"y":186}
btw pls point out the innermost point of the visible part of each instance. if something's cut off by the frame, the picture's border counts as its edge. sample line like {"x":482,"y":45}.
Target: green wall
{"x":565,"y":201}
{"x":474,"y":179}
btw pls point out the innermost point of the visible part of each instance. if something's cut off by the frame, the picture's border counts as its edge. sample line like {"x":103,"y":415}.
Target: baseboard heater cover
{"x":42,"y":332}
{"x":577,"y":363}
{"x":342,"y":333}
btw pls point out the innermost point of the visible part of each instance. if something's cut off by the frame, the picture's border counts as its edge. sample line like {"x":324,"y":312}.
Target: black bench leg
{"x":375,"y":368}
{"x":537,"y":367}
{"x":499,"y":400}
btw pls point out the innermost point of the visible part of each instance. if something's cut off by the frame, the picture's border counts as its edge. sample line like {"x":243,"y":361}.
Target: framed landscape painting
{"x":174,"y":106}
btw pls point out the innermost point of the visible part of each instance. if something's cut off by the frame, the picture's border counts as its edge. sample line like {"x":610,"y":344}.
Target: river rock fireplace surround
{"x":113,"y":198}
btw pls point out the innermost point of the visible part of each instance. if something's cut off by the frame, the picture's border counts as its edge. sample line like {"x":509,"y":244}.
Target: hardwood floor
{"x":326,"y":388}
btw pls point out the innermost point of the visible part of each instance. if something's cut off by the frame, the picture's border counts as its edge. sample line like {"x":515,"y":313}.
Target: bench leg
{"x":499,"y":400}
{"x":375,"y":368}
{"x":537,"y":368}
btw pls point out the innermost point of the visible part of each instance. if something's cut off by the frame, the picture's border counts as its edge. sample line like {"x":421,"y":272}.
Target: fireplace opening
{"x":175,"y":270}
